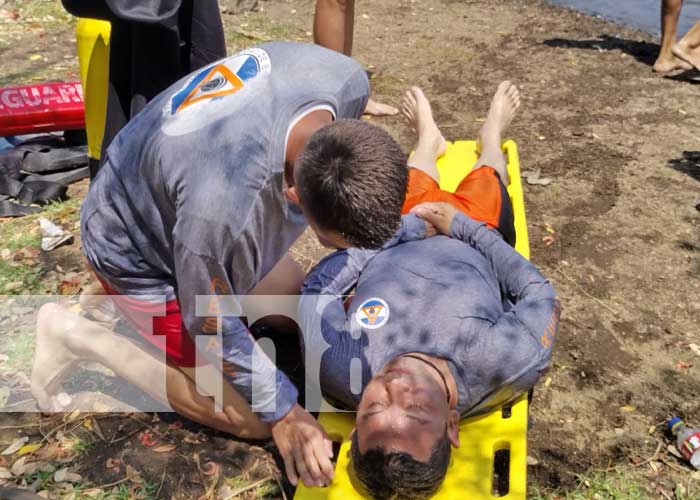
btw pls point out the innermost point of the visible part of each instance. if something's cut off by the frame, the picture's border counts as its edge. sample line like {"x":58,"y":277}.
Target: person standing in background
{"x":153,"y":44}
{"x":334,"y":22}
{"x":667,"y":60}
{"x":688,"y":48}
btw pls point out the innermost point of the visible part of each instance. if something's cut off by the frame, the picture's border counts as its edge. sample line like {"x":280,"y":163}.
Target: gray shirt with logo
{"x":189,"y":201}
{"x":470,"y":299}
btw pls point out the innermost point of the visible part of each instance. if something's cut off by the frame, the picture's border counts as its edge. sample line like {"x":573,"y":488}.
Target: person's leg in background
{"x":334,"y":22}
{"x":688,"y":48}
{"x":667,"y":61}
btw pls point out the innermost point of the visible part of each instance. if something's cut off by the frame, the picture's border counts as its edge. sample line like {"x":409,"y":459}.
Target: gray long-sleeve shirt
{"x":189,"y":201}
{"x":470,"y":299}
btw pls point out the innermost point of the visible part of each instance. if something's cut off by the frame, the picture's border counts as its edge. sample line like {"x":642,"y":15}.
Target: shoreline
{"x":649,"y":24}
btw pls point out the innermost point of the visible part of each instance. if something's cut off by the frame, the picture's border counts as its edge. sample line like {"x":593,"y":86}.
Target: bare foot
{"x":52,"y":358}
{"x":690,"y":57}
{"x":503,"y":107}
{"x":375,"y":108}
{"x":668,"y":64}
{"x":416,"y":109}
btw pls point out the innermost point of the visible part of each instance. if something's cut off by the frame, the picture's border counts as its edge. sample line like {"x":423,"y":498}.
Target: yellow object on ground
{"x":471,"y":474}
{"x":93,"y":55}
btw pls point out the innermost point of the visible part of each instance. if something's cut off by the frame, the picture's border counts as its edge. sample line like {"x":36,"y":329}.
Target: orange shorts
{"x":481,"y":195}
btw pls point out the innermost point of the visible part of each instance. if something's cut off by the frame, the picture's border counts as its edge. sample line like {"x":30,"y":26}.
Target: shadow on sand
{"x":688,"y":164}
{"x":644,"y":52}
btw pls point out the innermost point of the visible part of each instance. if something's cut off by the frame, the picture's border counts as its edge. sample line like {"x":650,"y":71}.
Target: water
{"x":642,"y":14}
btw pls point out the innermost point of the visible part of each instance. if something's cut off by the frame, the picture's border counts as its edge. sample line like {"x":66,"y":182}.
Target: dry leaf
{"x":15,"y":285}
{"x":628,"y":408}
{"x":87,"y":423}
{"x":534,"y":178}
{"x":35,"y":57}
{"x":72,"y":416}
{"x":549,"y":228}
{"x":148,"y":440}
{"x":695,"y":348}
{"x":4,"y":473}
{"x":132,"y":475}
{"x":682,"y":365}
{"x":16,"y":445}
{"x":63,"y":475}
{"x":548,"y":240}
{"x":192,"y":440}
{"x":70,"y":286}
{"x":113,"y":463}
{"x":165,"y":448}
{"x":21,"y":467}
{"x":11,"y":14}
{"x":674,"y":451}
{"x":28,"y":448}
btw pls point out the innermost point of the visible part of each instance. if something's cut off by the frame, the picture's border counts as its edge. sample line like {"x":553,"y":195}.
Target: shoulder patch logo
{"x":373,"y":313}
{"x":223,"y":78}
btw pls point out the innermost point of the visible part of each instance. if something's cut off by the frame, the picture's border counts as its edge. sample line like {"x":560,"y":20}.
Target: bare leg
{"x":286,"y":278}
{"x":430,"y":144}
{"x":688,"y":48}
{"x":96,"y":302}
{"x":667,"y":61}
{"x":63,"y":338}
{"x":334,"y":22}
{"x":503,"y":106}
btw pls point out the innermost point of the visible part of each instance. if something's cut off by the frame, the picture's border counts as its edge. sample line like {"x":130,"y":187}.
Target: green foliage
{"x":616,"y":485}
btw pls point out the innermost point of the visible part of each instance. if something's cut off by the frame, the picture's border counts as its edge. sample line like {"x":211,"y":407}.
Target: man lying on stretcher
{"x":438,"y":328}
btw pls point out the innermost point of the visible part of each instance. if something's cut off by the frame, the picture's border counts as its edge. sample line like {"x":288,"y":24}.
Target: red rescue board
{"x":43,"y":107}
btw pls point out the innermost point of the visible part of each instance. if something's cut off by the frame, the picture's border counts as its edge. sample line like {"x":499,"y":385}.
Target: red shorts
{"x":169,"y":333}
{"x":481,"y":195}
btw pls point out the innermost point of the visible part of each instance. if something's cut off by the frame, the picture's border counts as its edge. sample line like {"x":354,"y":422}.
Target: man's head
{"x":350,"y":180}
{"x":403,"y":432}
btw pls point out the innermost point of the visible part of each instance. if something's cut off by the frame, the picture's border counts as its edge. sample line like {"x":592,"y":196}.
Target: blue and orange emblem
{"x":373,"y":313}
{"x":223,"y":78}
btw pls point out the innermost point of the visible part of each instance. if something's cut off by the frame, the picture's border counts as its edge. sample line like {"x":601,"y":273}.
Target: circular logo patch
{"x":373,"y":313}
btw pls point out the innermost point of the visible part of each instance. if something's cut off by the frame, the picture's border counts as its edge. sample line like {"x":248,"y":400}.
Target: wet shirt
{"x":470,"y":299}
{"x":189,"y":201}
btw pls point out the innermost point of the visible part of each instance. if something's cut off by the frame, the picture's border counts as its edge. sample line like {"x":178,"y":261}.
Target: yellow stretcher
{"x":491,"y":461}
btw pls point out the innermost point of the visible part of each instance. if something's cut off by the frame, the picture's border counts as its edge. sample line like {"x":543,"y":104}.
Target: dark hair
{"x":398,"y":474}
{"x":352,"y":179}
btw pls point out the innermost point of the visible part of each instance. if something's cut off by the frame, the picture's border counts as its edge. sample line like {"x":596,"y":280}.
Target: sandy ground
{"x":616,"y":230}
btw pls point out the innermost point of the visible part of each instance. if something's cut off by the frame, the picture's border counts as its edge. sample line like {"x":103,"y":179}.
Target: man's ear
{"x":453,"y":428}
{"x":291,"y":194}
